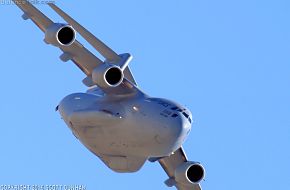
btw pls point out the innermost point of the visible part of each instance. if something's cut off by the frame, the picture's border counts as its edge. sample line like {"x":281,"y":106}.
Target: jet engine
{"x":60,"y":35}
{"x":107,"y":75}
{"x":189,"y":173}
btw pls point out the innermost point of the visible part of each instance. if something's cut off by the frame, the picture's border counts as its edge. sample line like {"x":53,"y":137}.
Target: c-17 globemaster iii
{"x":114,"y":119}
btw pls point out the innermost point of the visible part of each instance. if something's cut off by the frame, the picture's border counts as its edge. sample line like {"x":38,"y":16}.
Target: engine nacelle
{"x":189,"y":173}
{"x":107,"y":75}
{"x":60,"y":35}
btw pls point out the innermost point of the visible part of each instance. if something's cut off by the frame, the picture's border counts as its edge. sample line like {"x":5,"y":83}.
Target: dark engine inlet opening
{"x":66,"y":35}
{"x":113,"y":76}
{"x":195,"y":173}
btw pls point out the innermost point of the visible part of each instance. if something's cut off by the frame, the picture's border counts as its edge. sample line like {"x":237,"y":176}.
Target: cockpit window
{"x":189,"y":119}
{"x":174,"y":115}
{"x":185,"y":114}
{"x":174,"y":108}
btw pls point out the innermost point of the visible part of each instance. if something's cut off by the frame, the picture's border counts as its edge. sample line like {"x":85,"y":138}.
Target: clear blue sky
{"x":228,"y":61}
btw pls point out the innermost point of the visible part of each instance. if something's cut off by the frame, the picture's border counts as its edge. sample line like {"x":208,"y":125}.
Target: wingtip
{"x":51,"y":4}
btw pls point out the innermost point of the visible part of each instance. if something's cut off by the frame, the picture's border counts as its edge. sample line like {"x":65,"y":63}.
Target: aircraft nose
{"x":179,"y":129}
{"x":184,"y":123}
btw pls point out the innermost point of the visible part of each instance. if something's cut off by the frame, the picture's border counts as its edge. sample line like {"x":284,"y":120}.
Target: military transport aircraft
{"x":114,"y":119}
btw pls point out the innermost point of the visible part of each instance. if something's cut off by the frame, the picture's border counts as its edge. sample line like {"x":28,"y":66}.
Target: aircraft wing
{"x":76,"y":52}
{"x":82,"y":57}
{"x":169,"y":164}
{"x":102,"y":48}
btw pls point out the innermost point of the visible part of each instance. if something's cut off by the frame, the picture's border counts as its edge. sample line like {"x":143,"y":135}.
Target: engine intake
{"x":60,"y":35}
{"x":107,"y":75}
{"x":114,"y":76}
{"x":195,"y":173}
{"x":190,"y":172}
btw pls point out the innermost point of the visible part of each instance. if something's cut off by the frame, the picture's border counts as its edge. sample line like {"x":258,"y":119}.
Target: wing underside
{"x":169,"y":164}
{"x":75,"y":52}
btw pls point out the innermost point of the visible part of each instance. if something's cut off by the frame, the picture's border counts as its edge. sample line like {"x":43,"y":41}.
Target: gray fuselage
{"x":135,"y":126}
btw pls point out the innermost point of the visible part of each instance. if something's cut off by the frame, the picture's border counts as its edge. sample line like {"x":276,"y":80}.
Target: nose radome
{"x":184,"y":123}
{"x":170,"y":135}
{"x":179,"y":129}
